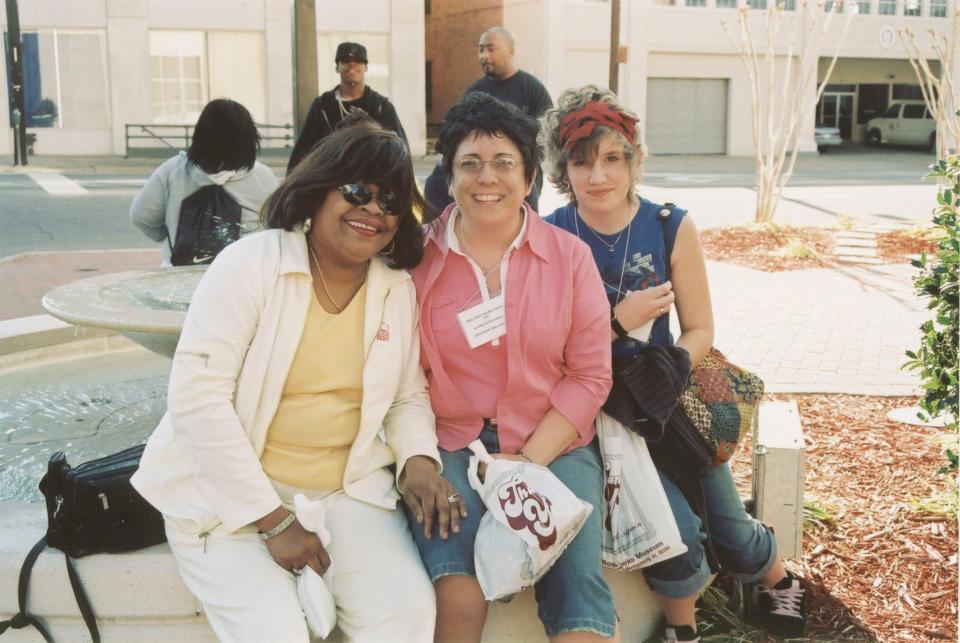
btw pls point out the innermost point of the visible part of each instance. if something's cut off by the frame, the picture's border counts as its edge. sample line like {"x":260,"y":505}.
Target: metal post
{"x":305,"y":83}
{"x":614,"y":45}
{"x":17,"y":107}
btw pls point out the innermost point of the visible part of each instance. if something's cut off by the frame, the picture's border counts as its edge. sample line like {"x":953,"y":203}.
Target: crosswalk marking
{"x":57,"y":184}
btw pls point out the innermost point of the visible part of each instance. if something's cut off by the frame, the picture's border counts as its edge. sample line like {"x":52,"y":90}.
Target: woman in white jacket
{"x":223,"y":151}
{"x":298,"y":371}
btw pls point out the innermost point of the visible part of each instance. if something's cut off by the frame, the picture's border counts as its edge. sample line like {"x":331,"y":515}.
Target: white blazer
{"x":202,"y":463}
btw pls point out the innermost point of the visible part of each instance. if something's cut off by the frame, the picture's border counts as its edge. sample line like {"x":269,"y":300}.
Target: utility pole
{"x":614,"y":45}
{"x":17,"y":109}
{"x":304,"y":59}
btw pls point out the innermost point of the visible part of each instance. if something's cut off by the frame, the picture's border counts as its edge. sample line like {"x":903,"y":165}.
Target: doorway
{"x":836,"y":110}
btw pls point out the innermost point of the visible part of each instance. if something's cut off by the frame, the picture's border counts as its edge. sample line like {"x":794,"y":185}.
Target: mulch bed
{"x":772,"y":250}
{"x":898,"y":245}
{"x":881,"y":567}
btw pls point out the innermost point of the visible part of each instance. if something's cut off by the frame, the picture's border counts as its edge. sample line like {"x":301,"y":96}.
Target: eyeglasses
{"x":358,"y":195}
{"x":500,"y":165}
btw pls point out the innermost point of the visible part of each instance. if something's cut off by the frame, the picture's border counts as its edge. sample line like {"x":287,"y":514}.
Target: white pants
{"x":380,"y":586}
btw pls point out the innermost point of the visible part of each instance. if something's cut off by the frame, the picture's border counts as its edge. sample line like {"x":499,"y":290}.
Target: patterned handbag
{"x":722,"y":399}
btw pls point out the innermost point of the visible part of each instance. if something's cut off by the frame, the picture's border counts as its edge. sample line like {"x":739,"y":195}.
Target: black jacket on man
{"x":325,"y":113}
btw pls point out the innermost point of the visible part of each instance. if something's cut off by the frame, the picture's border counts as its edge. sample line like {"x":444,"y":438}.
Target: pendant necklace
{"x":611,"y":247}
{"x":323,"y":282}
{"x":623,"y":265}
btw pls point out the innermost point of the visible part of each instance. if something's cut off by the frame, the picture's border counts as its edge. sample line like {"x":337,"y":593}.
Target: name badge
{"x":484,"y":322}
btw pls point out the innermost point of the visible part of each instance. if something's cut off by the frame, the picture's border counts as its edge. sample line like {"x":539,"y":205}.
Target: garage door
{"x":687,"y":116}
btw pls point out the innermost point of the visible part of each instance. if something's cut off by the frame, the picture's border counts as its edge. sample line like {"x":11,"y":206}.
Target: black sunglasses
{"x":358,"y":195}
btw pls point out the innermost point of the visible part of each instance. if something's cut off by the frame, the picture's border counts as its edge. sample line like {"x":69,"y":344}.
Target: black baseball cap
{"x":352,"y":50}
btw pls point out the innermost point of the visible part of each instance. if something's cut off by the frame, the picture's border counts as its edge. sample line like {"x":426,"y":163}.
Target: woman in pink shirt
{"x":514,"y":335}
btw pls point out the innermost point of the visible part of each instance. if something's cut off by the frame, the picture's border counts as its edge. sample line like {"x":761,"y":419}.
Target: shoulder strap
{"x":82,"y":601}
{"x":669,"y":235}
{"x":23,"y":618}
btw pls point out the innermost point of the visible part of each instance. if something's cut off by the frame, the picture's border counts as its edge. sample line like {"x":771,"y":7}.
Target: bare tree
{"x":939,"y":92}
{"x":782,"y":97}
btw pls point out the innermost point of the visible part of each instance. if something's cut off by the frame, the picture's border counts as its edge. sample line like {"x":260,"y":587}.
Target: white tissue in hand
{"x":316,"y":596}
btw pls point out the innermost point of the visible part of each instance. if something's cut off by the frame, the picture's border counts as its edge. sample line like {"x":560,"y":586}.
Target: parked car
{"x":904,"y":123}
{"x":826,"y":136}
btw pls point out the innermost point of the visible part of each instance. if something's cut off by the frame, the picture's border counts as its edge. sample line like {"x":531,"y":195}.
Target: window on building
{"x":757,"y":4}
{"x":65,"y":79}
{"x":912,"y":7}
{"x":188,"y":68}
{"x":828,"y":6}
{"x":863,"y":8}
{"x":429,"y":88}
{"x":938,"y":8}
{"x":913,"y":111}
{"x":695,"y":3}
{"x":887,"y":7}
{"x":727,"y":4}
{"x":907,"y":92}
{"x":177,"y":80}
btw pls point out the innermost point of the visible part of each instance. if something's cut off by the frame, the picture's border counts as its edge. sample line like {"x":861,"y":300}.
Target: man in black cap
{"x":352,"y":93}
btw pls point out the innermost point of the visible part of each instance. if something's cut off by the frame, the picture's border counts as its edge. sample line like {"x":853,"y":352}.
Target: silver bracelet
{"x":279,"y":528}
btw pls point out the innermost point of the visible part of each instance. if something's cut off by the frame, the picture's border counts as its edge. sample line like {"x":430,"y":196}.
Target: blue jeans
{"x":572,"y":596}
{"x":743,"y":545}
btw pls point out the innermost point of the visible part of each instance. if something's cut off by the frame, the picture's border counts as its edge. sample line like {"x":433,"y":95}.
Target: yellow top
{"x":319,"y":414}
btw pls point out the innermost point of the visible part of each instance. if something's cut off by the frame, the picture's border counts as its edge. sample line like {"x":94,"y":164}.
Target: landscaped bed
{"x":880,"y":535}
{"x":880,"y":542}
{"x":777,"y":248}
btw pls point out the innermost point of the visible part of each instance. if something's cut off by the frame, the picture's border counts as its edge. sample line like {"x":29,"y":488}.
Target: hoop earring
{"x":392,"y":245}
{"x":306,"y":224}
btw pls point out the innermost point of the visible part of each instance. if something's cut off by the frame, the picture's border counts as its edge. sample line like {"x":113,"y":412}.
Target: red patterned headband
{"x":579,"y":125}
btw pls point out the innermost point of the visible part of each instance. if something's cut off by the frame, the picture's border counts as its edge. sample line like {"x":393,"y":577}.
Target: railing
{"x":146,"y":137}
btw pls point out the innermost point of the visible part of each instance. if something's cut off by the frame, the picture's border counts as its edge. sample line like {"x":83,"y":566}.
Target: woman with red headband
{"x":650,"y":260}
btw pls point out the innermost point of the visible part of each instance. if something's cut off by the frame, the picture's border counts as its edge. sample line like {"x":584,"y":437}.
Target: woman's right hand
{"x":295,"y":547}
{"x":640,"y":306}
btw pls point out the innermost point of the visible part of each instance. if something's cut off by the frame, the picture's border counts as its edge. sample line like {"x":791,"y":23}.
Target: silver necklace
{"x":626,"y":249}
{"x":611,"y":247}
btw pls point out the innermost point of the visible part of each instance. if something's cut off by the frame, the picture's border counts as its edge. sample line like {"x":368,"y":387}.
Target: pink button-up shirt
{"x":557,"y":341}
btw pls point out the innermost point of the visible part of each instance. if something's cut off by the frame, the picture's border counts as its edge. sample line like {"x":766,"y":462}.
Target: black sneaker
{"x":680,"y":634}
{"x":782,"y":609}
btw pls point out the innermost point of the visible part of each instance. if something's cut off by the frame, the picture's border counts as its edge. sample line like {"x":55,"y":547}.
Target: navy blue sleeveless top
{"x":639,"y":266}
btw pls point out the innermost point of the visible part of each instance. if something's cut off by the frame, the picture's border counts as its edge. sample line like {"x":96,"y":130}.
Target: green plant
{"x":936,"y":358}
{"x":816,"y":513}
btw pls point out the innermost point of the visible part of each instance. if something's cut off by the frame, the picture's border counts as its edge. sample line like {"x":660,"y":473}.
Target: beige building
{"x":683,"y":75}
{"x":92,"y":67}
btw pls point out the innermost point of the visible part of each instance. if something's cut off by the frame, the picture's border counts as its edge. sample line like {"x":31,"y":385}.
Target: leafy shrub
{"x":936,"y":359}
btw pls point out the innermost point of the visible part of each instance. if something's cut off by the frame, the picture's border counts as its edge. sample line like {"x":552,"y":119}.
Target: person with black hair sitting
{"x":223,"y":151}
{"x":298,"y":371}
{"x":531,"y":392}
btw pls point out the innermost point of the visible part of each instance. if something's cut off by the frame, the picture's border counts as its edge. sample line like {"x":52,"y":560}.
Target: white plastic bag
{"x":315,"y":592}
{"x":531,"y":518}
{"x":638,"y":525}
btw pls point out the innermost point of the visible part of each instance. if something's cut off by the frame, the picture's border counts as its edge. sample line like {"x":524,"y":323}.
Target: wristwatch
{"x":616,"y":325}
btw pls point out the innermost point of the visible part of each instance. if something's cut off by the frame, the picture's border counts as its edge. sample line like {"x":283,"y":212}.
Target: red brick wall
{"x":453,"y":29}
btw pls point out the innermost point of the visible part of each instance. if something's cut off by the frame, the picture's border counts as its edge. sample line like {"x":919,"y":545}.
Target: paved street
{"x":831,"y":330}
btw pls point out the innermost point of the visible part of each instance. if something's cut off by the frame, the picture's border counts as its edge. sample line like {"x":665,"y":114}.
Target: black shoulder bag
{"x":91,"y":509}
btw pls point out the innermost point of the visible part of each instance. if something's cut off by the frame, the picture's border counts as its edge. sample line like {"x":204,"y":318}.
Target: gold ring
{"x":454,"y":498}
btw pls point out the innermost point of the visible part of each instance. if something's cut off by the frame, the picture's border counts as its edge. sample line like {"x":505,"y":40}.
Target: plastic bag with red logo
{"x":638,"y":525}
{"x":531,"y":518}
